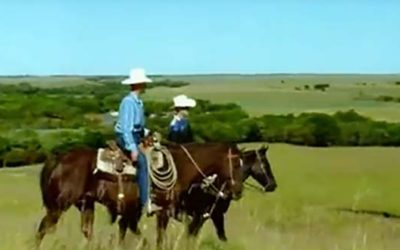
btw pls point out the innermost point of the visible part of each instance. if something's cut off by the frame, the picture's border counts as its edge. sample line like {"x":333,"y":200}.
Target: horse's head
{"x":256,"y":165}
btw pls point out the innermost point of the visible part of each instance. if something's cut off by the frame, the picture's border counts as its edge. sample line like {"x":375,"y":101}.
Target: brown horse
{"x":194,"y":162}
{"x":197,"y":202}
{"x":68,"y":179}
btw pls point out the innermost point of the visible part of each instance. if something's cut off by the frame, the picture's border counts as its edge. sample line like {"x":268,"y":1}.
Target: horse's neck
{"x":188,"y":174}
{"x":246,"y":171}
{"x":191,"y":175}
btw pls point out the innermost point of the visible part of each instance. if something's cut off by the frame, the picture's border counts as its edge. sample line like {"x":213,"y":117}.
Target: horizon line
{"x":193,"y":74}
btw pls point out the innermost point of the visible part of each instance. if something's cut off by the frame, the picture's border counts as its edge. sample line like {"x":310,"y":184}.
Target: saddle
{"x":113,"y":161}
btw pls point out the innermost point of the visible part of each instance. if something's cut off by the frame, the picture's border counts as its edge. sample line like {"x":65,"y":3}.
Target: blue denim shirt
{"x":178,"y":124}
{"x":130,"y":120}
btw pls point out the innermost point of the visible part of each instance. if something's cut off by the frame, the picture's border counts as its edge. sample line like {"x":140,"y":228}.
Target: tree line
{"x":53,"y":120}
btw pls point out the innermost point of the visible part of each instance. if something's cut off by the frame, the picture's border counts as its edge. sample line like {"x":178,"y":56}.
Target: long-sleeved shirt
{"x":130,"y":120}
{"x":180,"y":130}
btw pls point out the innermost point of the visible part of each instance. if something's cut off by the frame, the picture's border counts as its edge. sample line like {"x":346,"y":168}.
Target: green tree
{"x":93,"y":139}
{"x":323,"y":127}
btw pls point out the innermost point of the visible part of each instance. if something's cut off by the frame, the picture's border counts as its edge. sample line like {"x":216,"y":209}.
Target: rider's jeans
{"x":142,"y":174}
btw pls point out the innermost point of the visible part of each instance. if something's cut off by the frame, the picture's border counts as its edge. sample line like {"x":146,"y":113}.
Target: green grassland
{"x":46,"y":81}
{"x":273,"y":94}
{"x":314,"y":184}
{"x":267,"y":94}
{"x":301,"y":214}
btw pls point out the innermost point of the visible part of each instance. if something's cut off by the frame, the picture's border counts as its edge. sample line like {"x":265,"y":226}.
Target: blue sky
{"x":199,"y":36}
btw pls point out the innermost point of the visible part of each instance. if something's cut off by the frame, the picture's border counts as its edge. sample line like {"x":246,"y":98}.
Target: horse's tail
{"x":45,"y":175}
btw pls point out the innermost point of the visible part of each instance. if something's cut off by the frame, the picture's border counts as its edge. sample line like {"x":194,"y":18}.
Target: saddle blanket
{"x":105,"y":164}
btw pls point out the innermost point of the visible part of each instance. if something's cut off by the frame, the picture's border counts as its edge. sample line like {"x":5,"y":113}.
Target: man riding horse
{"x":130,"y":129}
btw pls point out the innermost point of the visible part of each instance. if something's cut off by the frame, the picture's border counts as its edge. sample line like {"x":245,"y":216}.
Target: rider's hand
{"x":134,"y":156}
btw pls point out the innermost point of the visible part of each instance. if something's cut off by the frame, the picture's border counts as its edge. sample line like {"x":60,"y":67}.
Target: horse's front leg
{"x":196,"y":224}
{"x":162,"y":223}
{"x":128,"y":220}
{"x":123,"y":226}
{"x":87,"y":218}
{"x":134,"y":221}
{"x":218,"y":220}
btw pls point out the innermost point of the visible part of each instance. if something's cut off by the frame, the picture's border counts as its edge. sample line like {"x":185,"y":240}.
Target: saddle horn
{"x":113,"y":145}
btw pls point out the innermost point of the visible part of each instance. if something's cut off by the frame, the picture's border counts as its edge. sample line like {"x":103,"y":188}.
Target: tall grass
{"x":303,"y":213}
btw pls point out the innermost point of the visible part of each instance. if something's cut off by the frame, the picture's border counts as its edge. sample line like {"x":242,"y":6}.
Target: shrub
{"x":252,"y":131}
{"x":350,"y":116}
{"x":93,"y":139}
{"x":322,"y":86}
{"x":273,"y":127}
{"x":324,"y":129}
{"x":385,"y":98}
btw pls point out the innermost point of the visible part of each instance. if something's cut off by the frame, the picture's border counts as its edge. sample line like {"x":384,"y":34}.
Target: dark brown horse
{"x":194,"y":162}
{"x":197,"y":203}
{"x":68,"y":180}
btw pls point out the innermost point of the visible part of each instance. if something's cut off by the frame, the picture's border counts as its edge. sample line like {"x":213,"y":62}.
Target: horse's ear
{"x":264,"y":148}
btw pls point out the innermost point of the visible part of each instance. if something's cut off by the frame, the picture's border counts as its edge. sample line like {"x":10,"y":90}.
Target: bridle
{"x":261,"y":166}
{"x":230,"y":157}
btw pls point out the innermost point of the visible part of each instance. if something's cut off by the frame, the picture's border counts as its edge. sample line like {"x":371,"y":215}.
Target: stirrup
{"x":152,"y":208}
{"x":206,"y":215}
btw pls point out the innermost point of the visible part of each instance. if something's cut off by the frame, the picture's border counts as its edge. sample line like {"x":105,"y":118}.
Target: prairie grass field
{"x":327,"y":198}
{"x":317,"y":188}
{"x":167,"y":106}
{"x":268,"y":94}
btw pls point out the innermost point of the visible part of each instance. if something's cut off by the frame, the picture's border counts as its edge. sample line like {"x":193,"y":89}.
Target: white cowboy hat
{"x":136,"y":76}
{"x":114,"y":113}
{"x":182,"y":101}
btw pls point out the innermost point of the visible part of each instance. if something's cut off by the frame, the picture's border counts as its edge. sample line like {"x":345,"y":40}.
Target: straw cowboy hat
{"x":136,"y":76}
{"x":182,"y":101}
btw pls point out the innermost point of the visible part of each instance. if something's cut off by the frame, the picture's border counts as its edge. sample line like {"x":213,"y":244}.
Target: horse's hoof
{"x":222,"y":238}
{"x":36,"y":244}
{"x":178,"y":217}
